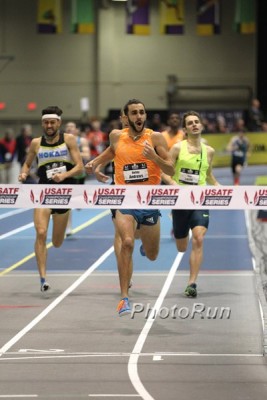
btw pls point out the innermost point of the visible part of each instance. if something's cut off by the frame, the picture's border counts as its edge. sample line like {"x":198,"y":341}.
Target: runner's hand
{"x":149,"y":151}
{"x":101,"y":177}
{"x":89,"y":167}
{"x":22,"y":177}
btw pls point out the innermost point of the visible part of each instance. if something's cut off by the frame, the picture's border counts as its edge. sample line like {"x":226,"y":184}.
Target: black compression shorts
{"x":184,"y":220}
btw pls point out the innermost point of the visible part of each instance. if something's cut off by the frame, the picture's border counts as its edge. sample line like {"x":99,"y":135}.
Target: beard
{"x":50,"y":135}
{"x":133,"y":127}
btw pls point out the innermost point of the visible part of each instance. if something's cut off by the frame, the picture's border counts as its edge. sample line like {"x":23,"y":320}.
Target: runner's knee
{"x":181,"y":247}
{"x":128,"y":243}
{"x":152,"y":255}
{"x":198,"y":240}
{"x":181,"y":244}
{"x":57,"y":241}
{"x":41,"y":234}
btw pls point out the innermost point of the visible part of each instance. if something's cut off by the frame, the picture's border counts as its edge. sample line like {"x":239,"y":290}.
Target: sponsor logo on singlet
{"x":48,"y":154}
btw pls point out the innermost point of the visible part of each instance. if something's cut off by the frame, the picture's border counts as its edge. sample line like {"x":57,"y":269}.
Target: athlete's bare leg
{"x":238,"y":169}
{"x":182,"y":244}
{"x":150,"y":236}
{"x":196,"y":256}
{"x":117,"y":248}
{"x":69,"y":225}
{"x":60,"y":222}
{"x":41,"y":222}
{"x":126,"y":226}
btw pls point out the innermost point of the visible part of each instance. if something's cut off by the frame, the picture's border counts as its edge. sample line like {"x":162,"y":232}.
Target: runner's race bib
{"x":53,"y":171}
{"x":239,"y":153}
{"x":189,"y":176}
{"x":134,"y":173}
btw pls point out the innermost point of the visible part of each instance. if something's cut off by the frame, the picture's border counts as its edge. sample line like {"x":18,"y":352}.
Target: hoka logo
{"x":53,"y":154}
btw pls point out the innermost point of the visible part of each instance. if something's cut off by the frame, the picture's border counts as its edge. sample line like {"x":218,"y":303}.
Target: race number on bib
{"x":189,"y":176}
{"x":135,"y":173}
{"x":53,"y":171}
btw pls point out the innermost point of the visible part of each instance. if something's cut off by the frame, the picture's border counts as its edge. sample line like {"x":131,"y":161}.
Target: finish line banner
{"x":133,"y":197}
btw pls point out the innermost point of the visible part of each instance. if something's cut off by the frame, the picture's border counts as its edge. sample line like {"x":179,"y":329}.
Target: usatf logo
{"x":259,"y":198}
{"x":8,"y":195}
{"x":106,"y":197}
{"x":159,"y":197}
{"x":213,"y":197}
{"x":53,"y":196}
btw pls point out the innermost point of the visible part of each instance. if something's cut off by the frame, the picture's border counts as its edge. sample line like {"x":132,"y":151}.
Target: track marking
{"x":226,"y":237}
{"x":27,"y":258}
{"x":22,"y":261}
{"x":163,"y":237}
{"x":157,"y":358}
{"x":56,"y":273}
{"x":57,"y":301}
{"x":18,"y":396}
{"x":54,"y":355}
{"x":91,"y":221}
{"x":18,"y":230}
{"x":14,"y":212}
{"x":113,"y":395}
{"x":133,"y":360}
{"x":11,"y":306}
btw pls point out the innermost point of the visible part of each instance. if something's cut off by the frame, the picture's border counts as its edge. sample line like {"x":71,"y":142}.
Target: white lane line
{"x":14,"y":212}
{"x":56,"y":273}
{"x":77,"y":229}
{"x":133,"y":360}
{"x":226,"y":237}
{"x":113,"y":395}
{"x":17,"y":396}
{"x":155,"y":356}
{"x":58,"y":300}
{"x":22,"y":228}
{"x":98,"y":237}
{"x":50,"y":244}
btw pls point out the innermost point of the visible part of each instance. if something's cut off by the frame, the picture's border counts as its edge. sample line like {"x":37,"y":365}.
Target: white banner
{"x":133,"y":196}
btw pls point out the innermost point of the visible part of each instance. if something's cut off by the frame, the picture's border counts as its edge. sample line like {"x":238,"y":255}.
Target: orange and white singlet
{"x":172,"y":140}
{"x":131,"y":166}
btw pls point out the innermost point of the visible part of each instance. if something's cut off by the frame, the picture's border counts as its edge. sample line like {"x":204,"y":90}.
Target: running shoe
{"x":142,"y":251}
{"x":130,"y":284}
{"x":124,"y":307}
{"x":191,"y":290}
{"x":45,"y":287}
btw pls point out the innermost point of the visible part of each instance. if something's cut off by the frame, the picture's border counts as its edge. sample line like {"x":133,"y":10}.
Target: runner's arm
{"x":174,"y":154}
{"x":159,"y":153}
{"x":211,"y":180}
{"x":32,"y":153}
